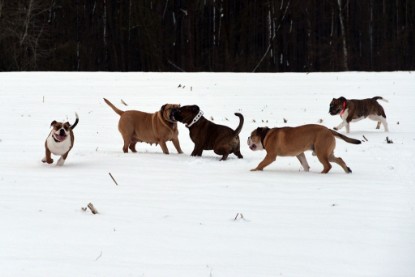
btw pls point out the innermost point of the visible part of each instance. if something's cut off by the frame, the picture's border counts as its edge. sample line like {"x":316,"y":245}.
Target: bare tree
{"x":343,"y":35}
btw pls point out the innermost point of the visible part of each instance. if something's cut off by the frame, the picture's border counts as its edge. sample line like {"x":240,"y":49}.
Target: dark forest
{"x":207,"y":35}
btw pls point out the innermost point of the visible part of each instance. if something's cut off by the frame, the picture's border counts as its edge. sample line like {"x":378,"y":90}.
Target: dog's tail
{"x":118,"y":111}
{"x":379,"y":98}
{"x":346,"y":139}
{"x":241,"y":123}
{"x":76,"y":121}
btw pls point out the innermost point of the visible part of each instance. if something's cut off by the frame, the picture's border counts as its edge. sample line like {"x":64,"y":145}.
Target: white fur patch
{"x":58,"y":148}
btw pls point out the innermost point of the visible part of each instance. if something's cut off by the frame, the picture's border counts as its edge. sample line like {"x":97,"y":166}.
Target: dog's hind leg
{"x":340,"y":162}
{"x":380,"y":120}
{"x":325,"y":161}
{"x":237,"y":151}
{"x":303,"y":162}
{"x":164,"y":147}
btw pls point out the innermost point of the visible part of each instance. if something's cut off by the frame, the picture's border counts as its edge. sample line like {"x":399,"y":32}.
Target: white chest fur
{"x":58,"y":148}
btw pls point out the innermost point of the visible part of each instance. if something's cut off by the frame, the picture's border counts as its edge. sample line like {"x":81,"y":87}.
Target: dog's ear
{"x":163,"y":107}
{"x":262,"y":131}
{"x":53,"y":123}
{"x":342,"y":99}
{"x":195,"y":108}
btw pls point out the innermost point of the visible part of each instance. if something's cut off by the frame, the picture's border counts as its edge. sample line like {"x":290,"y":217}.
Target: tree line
{"x":207,"y":35}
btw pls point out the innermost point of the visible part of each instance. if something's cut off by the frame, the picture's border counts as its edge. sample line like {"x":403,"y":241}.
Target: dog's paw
{"x":256,"y":169}
{"x":44,"y":160}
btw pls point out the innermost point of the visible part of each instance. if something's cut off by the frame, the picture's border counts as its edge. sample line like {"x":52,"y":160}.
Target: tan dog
{"x":60,"y":141}
{"x":293,"y":141}
{"x":354,"y":110}
{"x":158,"y":127}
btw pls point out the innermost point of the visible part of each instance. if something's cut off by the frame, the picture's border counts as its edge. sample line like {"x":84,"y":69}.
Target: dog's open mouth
{"x":59,"y":137}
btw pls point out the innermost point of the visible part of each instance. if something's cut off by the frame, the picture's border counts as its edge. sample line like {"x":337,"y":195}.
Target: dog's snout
{"x":61,"y":132}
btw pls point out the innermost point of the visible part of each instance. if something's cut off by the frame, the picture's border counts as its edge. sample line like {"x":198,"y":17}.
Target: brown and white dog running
{"x":60,"y":141}
{"x":158,"y":127}
{"x":294,"y":141}
{"x":354,"y":110}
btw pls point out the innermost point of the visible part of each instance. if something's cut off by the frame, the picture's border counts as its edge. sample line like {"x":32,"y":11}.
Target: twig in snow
{"x":123,"y":102}
{"x":365,"y":138}
{"x":285,"y":120}
{"x":388,"y":140}
{"x":241,"y":216}
{"x":92,"y":208}
{"x":113,"y":178}
{"x":100,"y":255}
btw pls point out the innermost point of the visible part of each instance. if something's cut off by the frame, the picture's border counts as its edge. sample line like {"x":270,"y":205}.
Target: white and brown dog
{"x":60,"y":141}
{"x":354,"y":110}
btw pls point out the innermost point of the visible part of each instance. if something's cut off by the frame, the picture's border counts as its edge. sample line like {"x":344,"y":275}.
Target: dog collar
{"x":195,"y":119}
{"x":343,"y":108}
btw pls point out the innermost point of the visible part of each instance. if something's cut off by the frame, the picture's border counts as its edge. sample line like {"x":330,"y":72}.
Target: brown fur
{"x":138,"y":126}
{"x":294,"y":141}
{"x":207,"y":135}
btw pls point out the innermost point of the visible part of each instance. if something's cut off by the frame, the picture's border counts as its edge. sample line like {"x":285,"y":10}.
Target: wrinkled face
{"x":186,"y":114}
{"x":168,"y":110}
{"x":336,"y":105}
{"x":60,"y":130}
{"x":254,"y":141}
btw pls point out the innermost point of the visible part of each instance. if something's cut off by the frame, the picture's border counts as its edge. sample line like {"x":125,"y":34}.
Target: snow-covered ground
{"x":176,"y":215}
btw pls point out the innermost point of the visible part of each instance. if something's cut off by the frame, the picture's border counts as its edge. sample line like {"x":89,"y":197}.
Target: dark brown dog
{"x":60,"y":141}
{"x":207,"y":135}
{"x":158,"y":127}
{"x":293,"y":141}
{"x":354,"y":110}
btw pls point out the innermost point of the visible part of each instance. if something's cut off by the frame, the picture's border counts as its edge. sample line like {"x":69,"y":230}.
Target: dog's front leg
{"x":269,"y":158}
{"x":341,"y":125}
{"x":176,"y":144}
{"x":197,"y":151}
{"x":48,"y":157}
{"x":62,"y":159}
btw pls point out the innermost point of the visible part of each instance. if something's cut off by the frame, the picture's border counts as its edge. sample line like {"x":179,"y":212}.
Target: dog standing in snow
{"x":354,"y":110}
{"x":60,"y":141}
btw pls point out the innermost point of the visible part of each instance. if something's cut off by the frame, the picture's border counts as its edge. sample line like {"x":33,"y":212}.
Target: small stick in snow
{"x":113,"y":178}
{"x":123,"y":102}
{"x":365,"y":138}
{"x":388,"y":140}
{"x":285,"y":120}
{"x":241,"y":216}
{"x":92,"y":208}
{"x":100,"y":255}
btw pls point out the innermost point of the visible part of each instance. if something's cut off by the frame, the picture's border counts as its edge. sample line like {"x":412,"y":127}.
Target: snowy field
{"x":176,"y":215}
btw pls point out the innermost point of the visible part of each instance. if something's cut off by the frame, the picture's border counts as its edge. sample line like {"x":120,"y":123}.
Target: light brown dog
{"x":293,"y":141}
{"x":158,"y":127}
{"x":60,"y":141}
{"x":357,"y":109}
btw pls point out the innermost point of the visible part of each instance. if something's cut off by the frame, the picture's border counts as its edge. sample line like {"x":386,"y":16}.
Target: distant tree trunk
{"x":343,"y":36}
